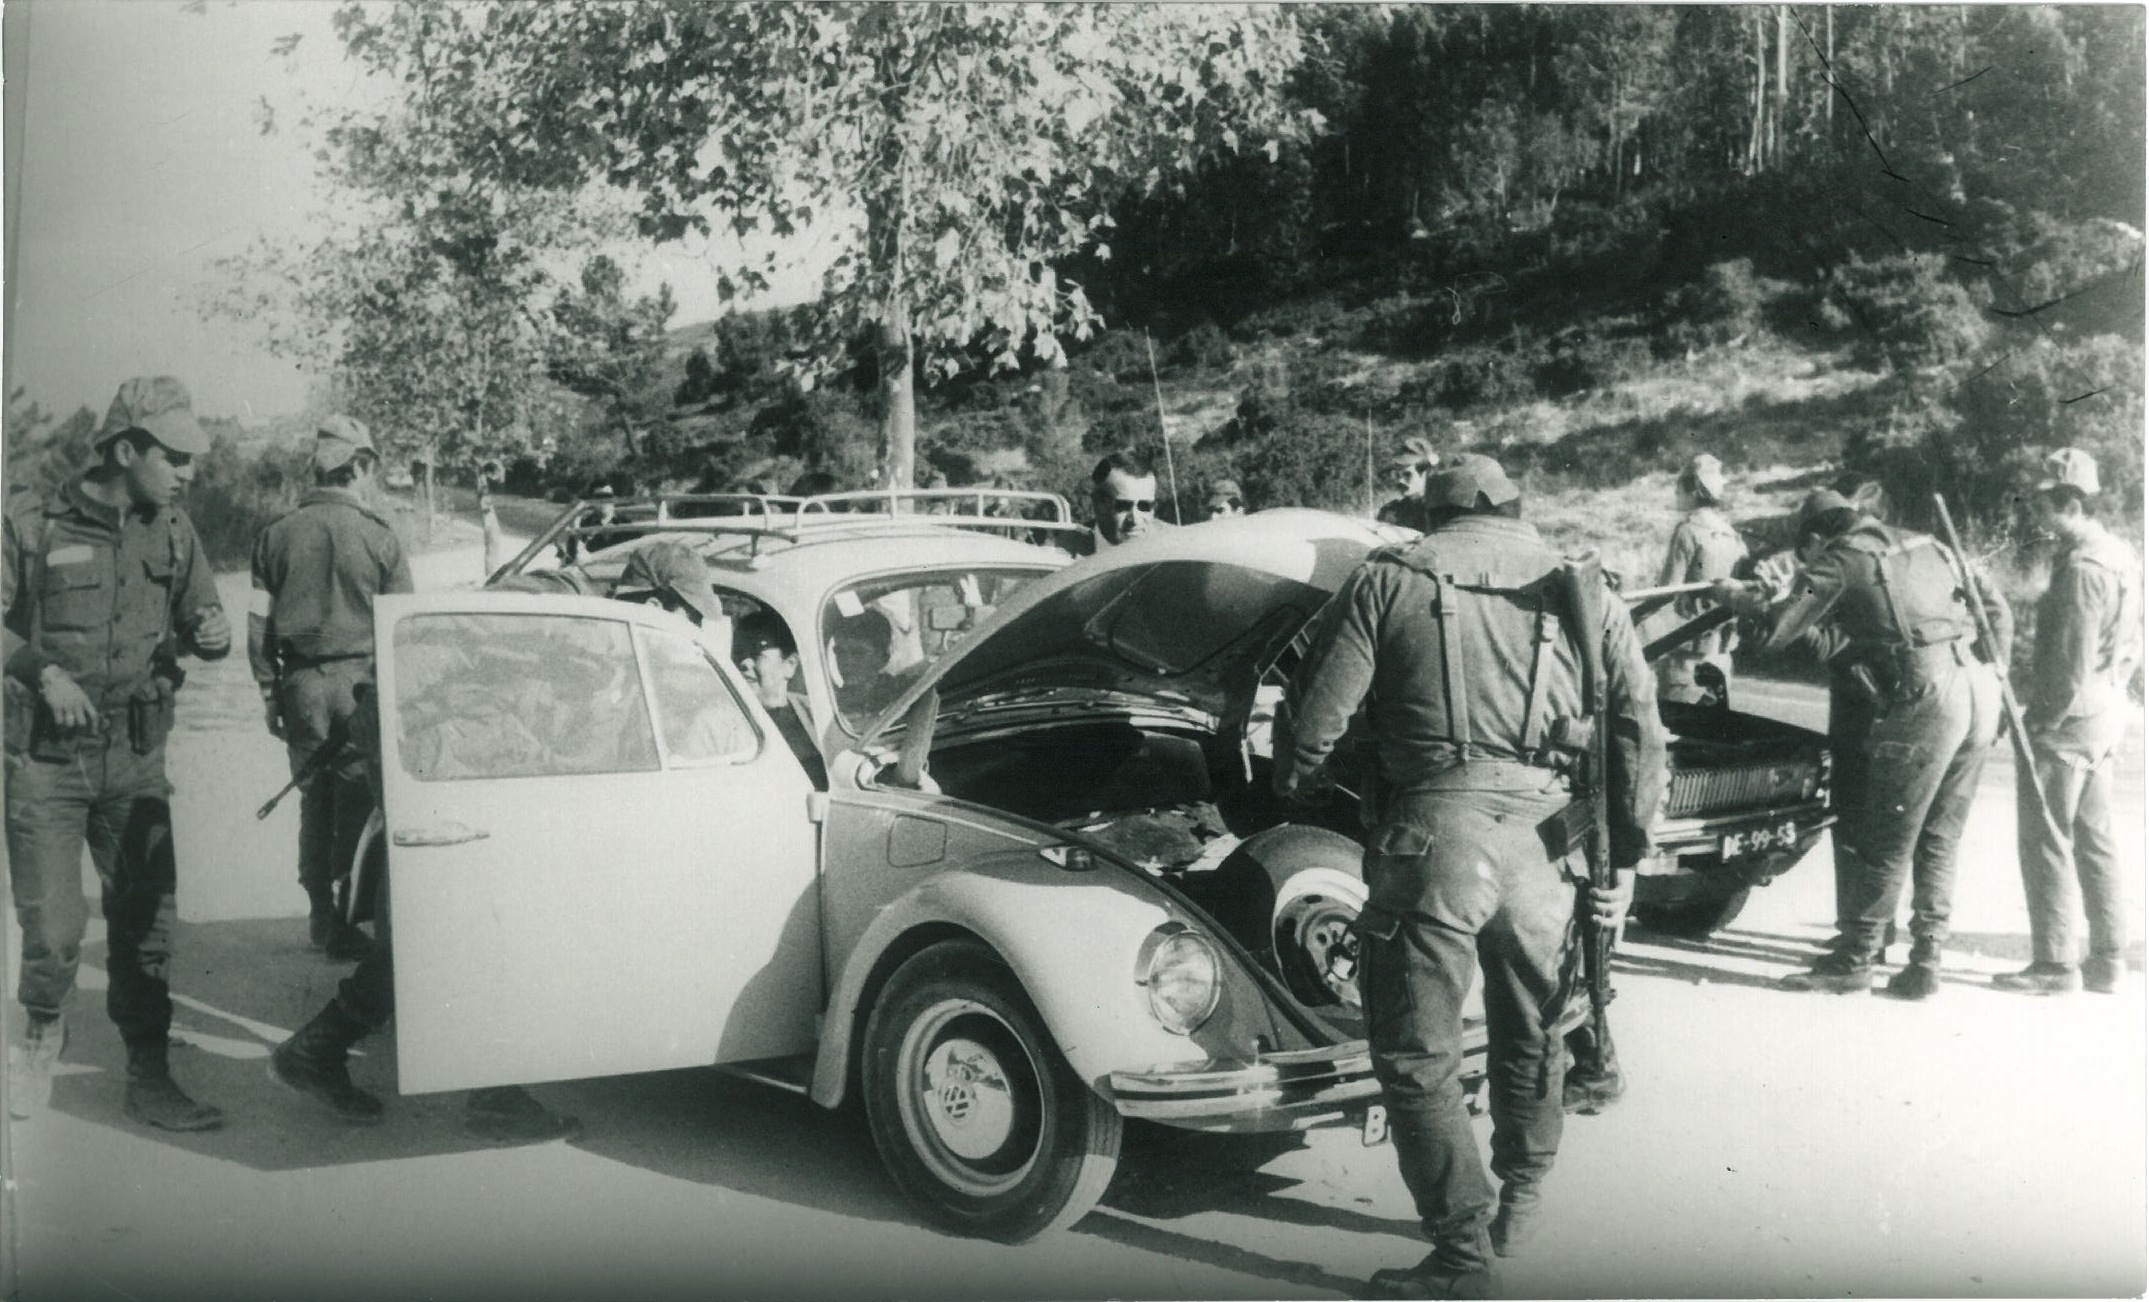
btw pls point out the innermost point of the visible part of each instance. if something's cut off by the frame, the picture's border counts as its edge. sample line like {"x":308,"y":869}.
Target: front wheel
{"x":973,"y":1109}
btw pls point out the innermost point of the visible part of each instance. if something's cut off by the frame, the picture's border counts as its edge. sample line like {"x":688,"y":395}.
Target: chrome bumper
{"x":1287,"y":1090}
{"x":1676,"y":836}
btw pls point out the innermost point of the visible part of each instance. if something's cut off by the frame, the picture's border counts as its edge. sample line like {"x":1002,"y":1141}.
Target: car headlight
{"x":1180,"y":974}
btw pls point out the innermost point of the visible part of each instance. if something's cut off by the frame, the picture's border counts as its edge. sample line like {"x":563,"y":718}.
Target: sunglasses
{"x":1231,"y":502}
{"x":1144,"y":506}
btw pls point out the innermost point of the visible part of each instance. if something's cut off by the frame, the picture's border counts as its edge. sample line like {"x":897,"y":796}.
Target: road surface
{"x":1771,"y":1144}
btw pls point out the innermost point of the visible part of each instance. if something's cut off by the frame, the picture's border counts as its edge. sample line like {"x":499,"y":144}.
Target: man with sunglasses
{"x":1123,"y":502}
{"x":1407,"y":472}
{"x":1224,"y":500}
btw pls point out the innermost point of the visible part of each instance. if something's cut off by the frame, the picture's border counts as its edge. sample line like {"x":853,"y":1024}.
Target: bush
{"x":1478,"y":376}
{"x":1304,"y":460}
{"x":1724,"y":304}
{"x":1301,"y":319}
{"x":1204,"y":348}
{"x":1580,"y":360}
{"x":1909,"y":316}
{"x":236,"y":493}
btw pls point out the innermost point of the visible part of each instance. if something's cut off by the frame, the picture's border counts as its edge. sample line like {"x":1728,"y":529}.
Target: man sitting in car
{"x":861,"y":645}
{"x":767,"y":656}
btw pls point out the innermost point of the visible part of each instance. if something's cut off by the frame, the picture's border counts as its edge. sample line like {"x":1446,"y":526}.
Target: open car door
{"x":601,"y":855}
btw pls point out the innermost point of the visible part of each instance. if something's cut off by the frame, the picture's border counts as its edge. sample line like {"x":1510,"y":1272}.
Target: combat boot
{"x":1515,"y":1224}
{"x":1836,"y":973}
{"x":510,"y":1114}
{"x":30,"y":1068}
{"x":1920,"y":979}
{"x":315,"y":1062}
{"x":2102,"y":973}
{"x":2041,"y":979}
{"x":155,"y":1099}
{"x":1460,"y":1269}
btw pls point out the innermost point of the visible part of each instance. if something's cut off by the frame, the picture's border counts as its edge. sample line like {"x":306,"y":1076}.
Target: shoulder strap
{"x":1533,"y":725}
{"x":1452,"y":687}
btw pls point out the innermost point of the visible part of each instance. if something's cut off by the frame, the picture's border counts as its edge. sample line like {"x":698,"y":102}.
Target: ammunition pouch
{"x":150,"y":713}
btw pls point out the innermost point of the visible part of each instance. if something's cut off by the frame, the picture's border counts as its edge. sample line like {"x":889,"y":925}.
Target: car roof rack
{"x":795,"y":519}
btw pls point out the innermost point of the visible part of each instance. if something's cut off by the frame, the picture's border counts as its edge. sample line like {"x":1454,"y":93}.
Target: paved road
{"x":1980,"y":1145}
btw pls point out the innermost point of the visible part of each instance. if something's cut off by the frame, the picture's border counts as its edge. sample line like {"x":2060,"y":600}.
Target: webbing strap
{"x":1451,"y":666}
{"x":1533,"y":715}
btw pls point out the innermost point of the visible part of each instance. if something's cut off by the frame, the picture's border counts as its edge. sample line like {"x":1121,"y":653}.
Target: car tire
{"x":1292,"y":895}
{"x":1695,"y":915}
{"x":974,"y":1110}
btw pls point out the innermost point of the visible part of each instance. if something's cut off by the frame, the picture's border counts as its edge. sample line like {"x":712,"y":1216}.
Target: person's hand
{"x":70,"y":705}
{"x":272,"y":713}
{"x":212,"y":632}
{"x":1608,"y":904}
{"x":1730,"y":592}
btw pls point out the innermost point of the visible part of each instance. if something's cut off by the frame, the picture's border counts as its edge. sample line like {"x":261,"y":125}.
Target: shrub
{"x":1304,"y":460}
{"x":1477,"y":376}
{"x":1724,"y":304}
{"x":1303,"y":319}
{"x":1204,"y":348}
{"x":1909,"y":316}
{"x":235,"y":493}
{"x":1580,"y":360}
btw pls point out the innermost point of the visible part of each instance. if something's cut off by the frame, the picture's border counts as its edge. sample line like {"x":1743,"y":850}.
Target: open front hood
{"x":1180,"y":621}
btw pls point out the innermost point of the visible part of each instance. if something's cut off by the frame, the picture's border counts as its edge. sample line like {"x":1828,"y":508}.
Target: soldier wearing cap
{"x":1912,"y":713}
{"x":1223,"y":500}
{"x":1704,"y":548}
{"x":1460,"y":650}
{"x":2089,"y":631}
{"x":315,"y":1061}
{"x":1407,"y":472}
{"x":309,"y":636}
{"x":105,"y":585}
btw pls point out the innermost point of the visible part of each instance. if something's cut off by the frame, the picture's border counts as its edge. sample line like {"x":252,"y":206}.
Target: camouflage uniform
{"x":2089,"y":631}
{"x":1883,"y":607}
{"x":1455,"y":646}
{"x":110,"y":596}
{"x":316,"y":571}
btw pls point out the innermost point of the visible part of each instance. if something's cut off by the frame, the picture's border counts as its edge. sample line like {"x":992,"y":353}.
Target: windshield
{"x":878,"y":636}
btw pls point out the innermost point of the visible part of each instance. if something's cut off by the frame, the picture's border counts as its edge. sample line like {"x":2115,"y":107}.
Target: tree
{"x":967,"y":151}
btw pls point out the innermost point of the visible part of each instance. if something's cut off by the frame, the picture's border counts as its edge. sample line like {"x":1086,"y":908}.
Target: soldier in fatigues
{"x":1469,"y":673}
{"x":2089,"y":630}
{"x":105,"y":585}
{"x":310,"y":638}
{"x":1704,"y":547}
{"x":1885,"y":610}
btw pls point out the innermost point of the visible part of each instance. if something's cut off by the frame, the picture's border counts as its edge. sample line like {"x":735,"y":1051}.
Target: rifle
{"x":330,"y":750}
{"x":2017,"y":731}
{"x":1582,"y":587}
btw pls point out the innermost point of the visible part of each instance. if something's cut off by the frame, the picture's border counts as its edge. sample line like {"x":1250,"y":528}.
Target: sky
{"x":143,"y":163}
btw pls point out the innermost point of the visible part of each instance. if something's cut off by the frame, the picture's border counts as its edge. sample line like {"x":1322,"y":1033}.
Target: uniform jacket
{"x":2089,"y":631}
{"x":1380,"y":642}
{"x":109,"y":596}
{"x":1876,"y":591}
{"x":1704,"y":547}
{"x":316,"y":571}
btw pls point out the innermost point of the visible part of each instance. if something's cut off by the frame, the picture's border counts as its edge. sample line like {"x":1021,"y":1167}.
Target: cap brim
{"x":176,"y":429}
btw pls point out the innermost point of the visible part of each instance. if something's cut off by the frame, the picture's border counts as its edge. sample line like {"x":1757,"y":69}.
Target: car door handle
{"x":448,"y":833}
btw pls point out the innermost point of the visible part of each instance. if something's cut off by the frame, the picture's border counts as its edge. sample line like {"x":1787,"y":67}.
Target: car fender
{"x":1075,"y":953}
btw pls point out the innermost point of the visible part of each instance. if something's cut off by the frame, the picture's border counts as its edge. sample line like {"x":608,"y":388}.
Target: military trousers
{"x":1850,"y":728}
{"x":2070,"y":862}
{"x":118,"y":803}
{"x":333,"y":804}
{"x":1463,"y":882}
{"x":1922,"y":756}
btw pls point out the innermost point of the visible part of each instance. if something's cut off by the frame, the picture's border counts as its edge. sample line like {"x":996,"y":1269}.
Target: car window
{"x":698,"y":716}
{"x":514,"y":696}
{"x":878,"y":636}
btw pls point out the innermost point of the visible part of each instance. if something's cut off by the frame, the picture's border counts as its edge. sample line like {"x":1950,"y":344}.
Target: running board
{"x":793,"y":1075}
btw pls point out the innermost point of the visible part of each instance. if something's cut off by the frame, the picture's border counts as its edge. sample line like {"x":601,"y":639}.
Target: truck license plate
{"x":1375,"y":1128}
{"x":1759,"y":840}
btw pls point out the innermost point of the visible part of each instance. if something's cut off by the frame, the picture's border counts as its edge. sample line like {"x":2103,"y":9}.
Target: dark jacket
{"x":316,"y":571}
{"x":1488,"y":586}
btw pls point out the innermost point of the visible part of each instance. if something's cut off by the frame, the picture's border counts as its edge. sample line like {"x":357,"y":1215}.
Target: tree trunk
{"x":1828,"y":92}
{"x":1760,"y":114}
{"x":1783,"y":79}
{"x":428,"y":531}
{"x":899,"y":399}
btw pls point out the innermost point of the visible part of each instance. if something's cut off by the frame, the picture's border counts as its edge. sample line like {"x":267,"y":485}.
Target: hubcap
{"x":1316,"y":937}
{"x":968,"y":1097}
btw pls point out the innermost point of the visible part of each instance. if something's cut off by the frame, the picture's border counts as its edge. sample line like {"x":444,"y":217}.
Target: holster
{"x":150,"y":712}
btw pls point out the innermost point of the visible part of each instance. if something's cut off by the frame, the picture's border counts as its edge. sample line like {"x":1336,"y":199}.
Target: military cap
{"x":1820,"y":502}
{"x":1417,"y":450}
{"x":338,"y":439}
{"x":160,"y":407}
{"x":1462,"y":478}
{"x":2070,"y":468}
{"x":1705,"y":472}
{"x":671,"y":567}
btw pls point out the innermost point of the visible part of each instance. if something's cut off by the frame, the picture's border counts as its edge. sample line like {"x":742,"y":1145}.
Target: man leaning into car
{"x":1457,"y":647}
